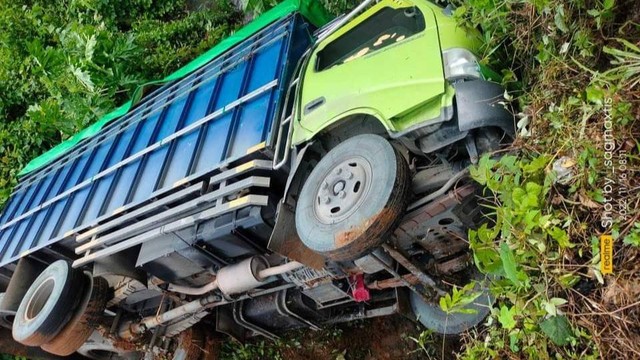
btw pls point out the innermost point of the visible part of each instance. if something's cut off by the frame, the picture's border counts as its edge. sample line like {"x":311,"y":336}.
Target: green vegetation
{"x":63,"y":64}
{"x":572,"y":168}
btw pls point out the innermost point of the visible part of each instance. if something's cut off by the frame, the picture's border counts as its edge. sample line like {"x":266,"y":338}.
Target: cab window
{"x":386,"y":27}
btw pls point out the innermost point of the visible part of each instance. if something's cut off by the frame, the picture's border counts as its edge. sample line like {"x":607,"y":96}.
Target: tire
{"x":353,"y":198}
{"x":84,"y":321}
{"x":435,"y":319}
{"x":47,"y":305}
{"x":6,"y":316}
{"x":190,"y":345}
{"x":99,"y":347}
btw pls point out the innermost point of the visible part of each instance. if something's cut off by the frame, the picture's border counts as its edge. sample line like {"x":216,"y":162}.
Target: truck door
{"x":386,"y":61}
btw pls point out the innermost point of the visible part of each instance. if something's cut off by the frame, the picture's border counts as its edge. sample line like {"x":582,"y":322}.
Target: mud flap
{"x":285,"y":241}
{"x":478,"y":105}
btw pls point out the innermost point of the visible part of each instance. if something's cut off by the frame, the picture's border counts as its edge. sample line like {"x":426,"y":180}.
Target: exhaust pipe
{"x":238,"y":278}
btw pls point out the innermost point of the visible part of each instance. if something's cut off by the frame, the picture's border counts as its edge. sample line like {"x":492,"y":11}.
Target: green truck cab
{"x":396,"y":63}
{"x":387,"y":64}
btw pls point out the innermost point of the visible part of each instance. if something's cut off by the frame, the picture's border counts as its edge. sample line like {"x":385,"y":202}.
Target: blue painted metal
{"x":183,"y":130}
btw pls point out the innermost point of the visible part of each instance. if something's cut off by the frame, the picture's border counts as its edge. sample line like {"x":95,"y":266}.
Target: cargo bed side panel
{"x":183,"y":130}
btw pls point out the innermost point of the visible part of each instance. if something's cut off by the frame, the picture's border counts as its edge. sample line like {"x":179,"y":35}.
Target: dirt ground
{"x":386,"y":338}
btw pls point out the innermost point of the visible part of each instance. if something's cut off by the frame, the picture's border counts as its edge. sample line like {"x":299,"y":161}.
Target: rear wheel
{"x":85,"y":320}
{"x":353,"y":198}
{"x":190,"y":345}
{"x":6,"y":316}
{"x":48,"y":304}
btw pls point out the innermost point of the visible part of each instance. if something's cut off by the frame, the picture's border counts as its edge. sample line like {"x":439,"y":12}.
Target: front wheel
{"x":353,"y":198}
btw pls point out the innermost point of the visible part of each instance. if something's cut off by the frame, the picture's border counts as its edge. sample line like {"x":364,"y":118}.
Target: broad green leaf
{"x":536,"y":164}
{"x":608,"y":4}
{"x":561,"y":237}
{"x":482,"y":172}
{"x":558,"y":19}
{"x":513,"y":342}
{"x":558,"y":329}
{"x":533,"y":188}
{"x":568,"y":280}
{"x":506,"y":317}
{"x":551,"y":306}
{"x":594,"y":94}
{"x":509,"y":265}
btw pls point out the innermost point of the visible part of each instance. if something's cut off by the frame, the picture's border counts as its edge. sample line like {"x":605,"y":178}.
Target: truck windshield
{"x":386,"y":27}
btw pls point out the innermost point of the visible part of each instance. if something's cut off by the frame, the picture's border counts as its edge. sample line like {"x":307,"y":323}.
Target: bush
{"x":65,"y":64}
{"x":574,"y":67}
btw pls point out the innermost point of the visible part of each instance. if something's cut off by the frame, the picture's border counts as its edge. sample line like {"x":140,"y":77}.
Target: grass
{"x":570,"y":177}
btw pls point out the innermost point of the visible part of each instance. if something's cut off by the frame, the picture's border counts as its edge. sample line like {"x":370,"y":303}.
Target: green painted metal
{"x":386,"y":83}
{"x":310,"y":9}
{"x":402,"y":85}
{"x":451,"y":35}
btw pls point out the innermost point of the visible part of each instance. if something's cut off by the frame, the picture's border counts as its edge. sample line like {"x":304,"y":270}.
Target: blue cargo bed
{"x":175,"y":156}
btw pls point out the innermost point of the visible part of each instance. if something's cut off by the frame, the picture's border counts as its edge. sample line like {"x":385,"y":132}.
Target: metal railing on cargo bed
{"x":181,"y":136}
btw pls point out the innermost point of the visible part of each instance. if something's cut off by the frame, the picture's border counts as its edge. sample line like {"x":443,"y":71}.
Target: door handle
{"x":314,"y":104}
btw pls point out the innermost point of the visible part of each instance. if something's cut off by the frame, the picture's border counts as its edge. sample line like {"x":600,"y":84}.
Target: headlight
{"x":460,"y":64}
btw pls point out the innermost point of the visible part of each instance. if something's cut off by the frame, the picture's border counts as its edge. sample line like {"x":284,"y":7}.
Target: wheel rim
{"x":103,"y":354}
{"x":343,"y":190}
{"x":39,"y":299}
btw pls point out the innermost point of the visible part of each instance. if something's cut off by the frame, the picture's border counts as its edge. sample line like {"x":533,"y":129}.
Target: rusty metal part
{"x":182,"y":325}
{"x":444,"y":246}
{"x":434,"y":195}
{"x":130,"y":330}
{"x":411,"y":221}
{"x":285,"y":240}
{"x":401,"y":279}
{"x":393,"y":282}
{"x":424,"y":279}
{"x":454,"y":265}
{"x":439,"y":228}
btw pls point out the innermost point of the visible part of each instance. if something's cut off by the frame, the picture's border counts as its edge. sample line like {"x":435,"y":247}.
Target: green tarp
{"x":310,"y":9}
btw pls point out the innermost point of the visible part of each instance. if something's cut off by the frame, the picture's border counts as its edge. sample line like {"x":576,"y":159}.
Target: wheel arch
{"x":478,"y":105}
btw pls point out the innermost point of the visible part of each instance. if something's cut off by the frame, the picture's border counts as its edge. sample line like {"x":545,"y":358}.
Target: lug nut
{"x":338,"y":171}
{"x":349,"y":175}
{"x":326,"y":199}
{"x":342,"y":194}
{"x":325,"y":185}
